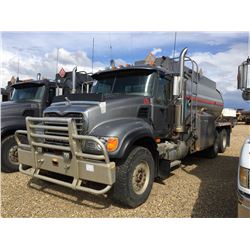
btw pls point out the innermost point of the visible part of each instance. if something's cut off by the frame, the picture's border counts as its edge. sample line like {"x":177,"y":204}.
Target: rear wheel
{"x":212,"y":151}
{"x":222,"y":141}
{"x":134,"y":178}
{"x":9,"y":161}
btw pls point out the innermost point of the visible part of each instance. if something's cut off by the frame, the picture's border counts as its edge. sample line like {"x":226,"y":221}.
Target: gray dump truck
{"x":137,"y":123}
{"x":30,"y":98}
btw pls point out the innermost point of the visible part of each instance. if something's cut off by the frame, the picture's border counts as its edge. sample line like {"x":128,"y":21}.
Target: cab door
{"x":163,"y":112}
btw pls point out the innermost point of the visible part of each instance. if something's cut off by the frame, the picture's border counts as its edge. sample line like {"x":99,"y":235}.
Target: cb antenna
{"x":110,"y":47}
{"x":175,"y":36}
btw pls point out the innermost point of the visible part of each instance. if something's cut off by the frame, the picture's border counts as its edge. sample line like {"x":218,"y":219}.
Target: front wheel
{"x":9,"y":161}
{"x":134,"y":178}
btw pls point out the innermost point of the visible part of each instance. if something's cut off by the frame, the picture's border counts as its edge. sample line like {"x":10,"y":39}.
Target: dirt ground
{"x":199,"y":188}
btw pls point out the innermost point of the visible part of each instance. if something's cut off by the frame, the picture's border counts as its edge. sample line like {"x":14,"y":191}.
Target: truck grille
{"x":77,"y":117}
{"x":80,"y":125}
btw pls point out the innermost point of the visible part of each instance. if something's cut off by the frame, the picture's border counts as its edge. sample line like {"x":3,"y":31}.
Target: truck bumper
{"x":44,"y":154}
{"x":243,"y":206}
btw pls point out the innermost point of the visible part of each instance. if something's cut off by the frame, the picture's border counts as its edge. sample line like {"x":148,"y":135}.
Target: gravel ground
{"x":199,"y":188}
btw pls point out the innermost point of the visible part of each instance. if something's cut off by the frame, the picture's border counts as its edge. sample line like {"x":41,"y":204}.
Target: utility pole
{"x":18,"y":59}
{"x":18,"y":67}
{"x":57,"y":59}
{"x":93,"y":49}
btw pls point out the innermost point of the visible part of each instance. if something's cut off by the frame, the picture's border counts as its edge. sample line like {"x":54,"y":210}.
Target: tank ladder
{"x":193,"y":102}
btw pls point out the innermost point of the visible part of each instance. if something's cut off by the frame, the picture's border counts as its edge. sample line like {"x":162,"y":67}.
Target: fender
{"x":10,"y":125}
{"x":128,"y":130}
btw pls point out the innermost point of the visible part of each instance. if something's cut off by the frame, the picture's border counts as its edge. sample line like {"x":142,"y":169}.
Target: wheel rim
{"x":13,"y":155}
{"x":216,"y":147}
{"x":224,"y":141}
{"x":140,"y":178}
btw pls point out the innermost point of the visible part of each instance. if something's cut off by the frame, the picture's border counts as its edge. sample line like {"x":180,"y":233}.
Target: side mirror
{"x":243,"y":76}
{"x":246,"y":95}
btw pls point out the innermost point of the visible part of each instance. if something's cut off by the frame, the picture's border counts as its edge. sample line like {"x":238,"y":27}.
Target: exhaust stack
{"x":179,"y":113}
{"x":74,"y":80}
{"x":38,"y":76}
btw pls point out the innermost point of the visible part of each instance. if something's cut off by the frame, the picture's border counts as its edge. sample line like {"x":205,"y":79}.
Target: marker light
{"x":112,"y":144}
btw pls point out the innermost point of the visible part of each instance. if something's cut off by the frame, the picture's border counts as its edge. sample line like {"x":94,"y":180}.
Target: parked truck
{"x":243,"y":116}
{"x":29,"y":98}
{"x":230,"y":114}
{"x":244,"y":161}
{"x":137,"y":123}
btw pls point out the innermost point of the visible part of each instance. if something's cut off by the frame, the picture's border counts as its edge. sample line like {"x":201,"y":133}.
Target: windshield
{"x":133,"y":82}
{"x":28,"y":93}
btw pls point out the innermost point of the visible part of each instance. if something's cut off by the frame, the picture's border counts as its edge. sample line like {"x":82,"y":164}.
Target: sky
{"x":217,"y":53}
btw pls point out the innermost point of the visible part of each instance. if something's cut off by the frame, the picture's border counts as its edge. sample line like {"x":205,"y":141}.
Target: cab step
{"x":165,"y":167}
{"x":174,"y":163}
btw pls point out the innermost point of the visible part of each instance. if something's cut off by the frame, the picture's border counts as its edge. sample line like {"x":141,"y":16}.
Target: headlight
{"x":244,"y":177}
{"x":91,"y":147}
{"x":111,"y":144}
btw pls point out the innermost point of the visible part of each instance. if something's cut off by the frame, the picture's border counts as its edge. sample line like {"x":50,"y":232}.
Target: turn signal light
{"x":112,"y":144}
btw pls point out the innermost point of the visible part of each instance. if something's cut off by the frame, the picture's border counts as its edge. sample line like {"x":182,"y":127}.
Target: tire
{"x":222,"y":141}
{"x":134,"y":178}
{"x":8,"y":154}
{"x":213,"y":151}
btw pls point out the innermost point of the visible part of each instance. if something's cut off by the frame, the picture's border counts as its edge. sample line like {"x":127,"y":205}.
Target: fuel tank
{"x":204,"y":95}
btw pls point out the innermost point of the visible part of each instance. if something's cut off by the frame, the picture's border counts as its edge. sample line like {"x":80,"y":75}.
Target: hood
{"x":96,"y":112}
{"x":12,"y":108}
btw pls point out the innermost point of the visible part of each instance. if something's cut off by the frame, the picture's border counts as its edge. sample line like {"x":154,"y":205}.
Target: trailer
{"x":137,"y":123}
{"x":243,"y":116}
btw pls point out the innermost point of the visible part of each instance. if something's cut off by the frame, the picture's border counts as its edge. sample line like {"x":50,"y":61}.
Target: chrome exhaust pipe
{"x":183,"y":87}
{"x":182,"y":61}
{"x":180,"y":115}
{"x":74,"y":80}
{"x":38,"y":76}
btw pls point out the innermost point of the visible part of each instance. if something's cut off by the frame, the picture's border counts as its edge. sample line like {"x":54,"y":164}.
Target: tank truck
{"x":137,"y":123}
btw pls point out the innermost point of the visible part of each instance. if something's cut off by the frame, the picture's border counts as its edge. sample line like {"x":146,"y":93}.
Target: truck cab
{"x":244,"y":180}
{"x":29,"y":98}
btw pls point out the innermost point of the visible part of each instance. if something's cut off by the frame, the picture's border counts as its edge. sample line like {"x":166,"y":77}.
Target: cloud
{"x":124,"y":44}
{"x":222,"y":66}
{"x":120,"y":61}
{"x":29,"y":66}
{"x":218,"y":53}
{"x":156,"y":51}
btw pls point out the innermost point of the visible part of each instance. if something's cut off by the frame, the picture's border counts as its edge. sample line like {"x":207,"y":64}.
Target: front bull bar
{"x":69,"y":159}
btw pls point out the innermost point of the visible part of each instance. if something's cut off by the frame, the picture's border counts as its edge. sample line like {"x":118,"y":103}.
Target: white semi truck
{"x":244,"y":161}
